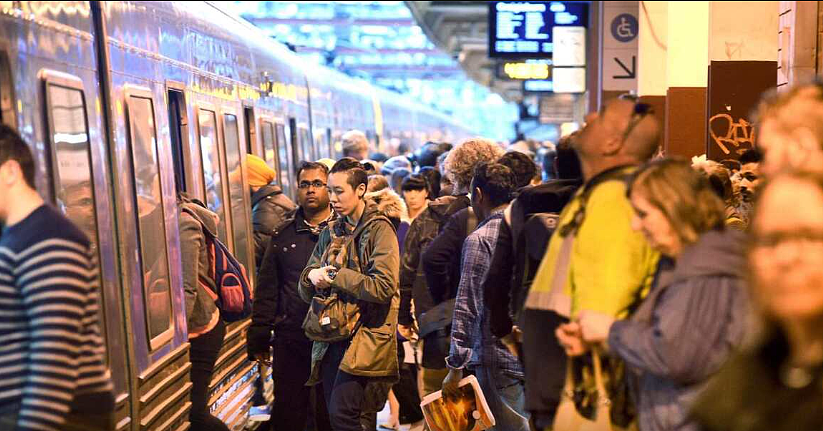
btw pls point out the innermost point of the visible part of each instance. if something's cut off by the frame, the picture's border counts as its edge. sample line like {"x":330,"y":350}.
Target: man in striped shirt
{"x":51,"y":351}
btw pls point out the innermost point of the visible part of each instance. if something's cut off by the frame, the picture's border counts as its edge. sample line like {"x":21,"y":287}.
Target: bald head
{"x":621,"y":133}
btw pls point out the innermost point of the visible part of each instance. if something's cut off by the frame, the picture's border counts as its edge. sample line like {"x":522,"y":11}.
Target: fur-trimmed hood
{"x":389,"y":204}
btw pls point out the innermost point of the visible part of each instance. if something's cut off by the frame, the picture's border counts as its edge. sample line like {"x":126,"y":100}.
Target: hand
{"x":595,"y":326}
{"x":571,"y":339}
{"x":263,"y":359}
{"x":512,"y":340}
{"x":451,"y":382}
{"x":408,"y":332}
{"x":319,"y":277}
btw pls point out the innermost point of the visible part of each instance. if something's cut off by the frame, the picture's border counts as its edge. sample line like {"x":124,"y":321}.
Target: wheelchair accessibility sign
{"x":624,"y":27}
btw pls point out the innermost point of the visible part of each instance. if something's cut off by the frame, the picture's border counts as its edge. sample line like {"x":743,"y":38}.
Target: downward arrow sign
{"x":630,"y":74}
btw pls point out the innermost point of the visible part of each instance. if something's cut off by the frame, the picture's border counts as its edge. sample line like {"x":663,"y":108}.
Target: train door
{"x":158,"y":323}
{"x":78,"y":182}
{"x":238,"y":192}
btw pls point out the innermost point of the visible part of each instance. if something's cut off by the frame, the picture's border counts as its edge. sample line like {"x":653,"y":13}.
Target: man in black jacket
{"x":278,"y":307}
{"x":269,"y":206}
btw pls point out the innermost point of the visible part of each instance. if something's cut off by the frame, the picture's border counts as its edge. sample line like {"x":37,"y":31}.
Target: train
{"x":125,"y":104}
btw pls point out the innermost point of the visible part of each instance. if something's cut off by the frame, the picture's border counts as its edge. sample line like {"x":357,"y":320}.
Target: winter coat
{"x":683,"y":332}
{"x":390,"y":203}
{"x":422,"y":231}
{"x":277,"y":303}
{"x":748,"y":394}
{"x":201,"y":311}
{"x":373,"y":349}
{"x":269,"y":209}
{"x":441,"y":259}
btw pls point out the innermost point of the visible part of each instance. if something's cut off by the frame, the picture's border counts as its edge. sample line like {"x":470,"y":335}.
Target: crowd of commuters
{"x":590,"y":281}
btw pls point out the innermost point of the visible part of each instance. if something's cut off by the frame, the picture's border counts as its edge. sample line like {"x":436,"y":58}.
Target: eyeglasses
{"x":640,"y":111}
{"x":805,"y":238}
{"x":316,"y":184}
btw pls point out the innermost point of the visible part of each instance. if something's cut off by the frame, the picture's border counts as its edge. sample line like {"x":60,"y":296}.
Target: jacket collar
{"x":264,"y":192}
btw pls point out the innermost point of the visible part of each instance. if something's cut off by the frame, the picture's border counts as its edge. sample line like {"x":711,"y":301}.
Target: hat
{"x":328,"y":162}
{"x":259,"y":172}
{"x":395,"y":163}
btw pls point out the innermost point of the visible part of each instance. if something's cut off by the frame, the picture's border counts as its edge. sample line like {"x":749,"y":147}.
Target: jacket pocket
{"x":373,"y":349}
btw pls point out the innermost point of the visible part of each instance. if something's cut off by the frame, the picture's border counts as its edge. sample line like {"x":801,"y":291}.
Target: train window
{"x":320,"y":145}
{"x":179,"y":138}
{"x":73,"y":185}
{"x":237,"y":193}
{"x":211,"y":169}
{"x":7,"y":113}
{"x":267,"y":133}
{"x":306,"y":144}
{"x":71,"y":160}
{"x":283,"y":157}
{"x":296,"y":153}
{"x":151,"y":220}
{"x":248,"y":116}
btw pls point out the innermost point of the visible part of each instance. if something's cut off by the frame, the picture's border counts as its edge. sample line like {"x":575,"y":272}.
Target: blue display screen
{"x":523,"y":29}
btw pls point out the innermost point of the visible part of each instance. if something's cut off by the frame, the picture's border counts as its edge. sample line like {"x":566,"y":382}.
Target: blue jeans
{"x":506,"y":398}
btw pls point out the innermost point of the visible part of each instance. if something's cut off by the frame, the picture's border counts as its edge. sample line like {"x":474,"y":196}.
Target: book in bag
{"x":470,"y":412}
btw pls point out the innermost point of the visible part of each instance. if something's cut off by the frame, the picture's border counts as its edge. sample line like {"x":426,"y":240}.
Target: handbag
{"x":568,"y":418}
{"x":333,"y":316}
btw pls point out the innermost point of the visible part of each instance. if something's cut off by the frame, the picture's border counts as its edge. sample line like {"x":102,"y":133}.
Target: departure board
{"x":523,"y":29}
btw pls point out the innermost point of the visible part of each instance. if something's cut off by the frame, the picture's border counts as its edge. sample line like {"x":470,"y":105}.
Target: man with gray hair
{"x":355,"y":144}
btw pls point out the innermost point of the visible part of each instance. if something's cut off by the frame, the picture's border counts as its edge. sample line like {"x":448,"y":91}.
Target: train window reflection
{"x":211,"y":169}
{"x":267,"y":133}
{"x":71,"y":161}
{"x":306,"y":143}
{"x":283,"y":158}
{"x":151,"y":221}
{"x":239,"y":220}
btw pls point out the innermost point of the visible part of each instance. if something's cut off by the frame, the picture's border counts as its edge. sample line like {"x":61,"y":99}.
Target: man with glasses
{"x":594,"y":259}
{"x":277,"y":305}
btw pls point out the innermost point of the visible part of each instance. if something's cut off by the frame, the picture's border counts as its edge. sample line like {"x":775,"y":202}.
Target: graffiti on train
{"x":730,"y":135}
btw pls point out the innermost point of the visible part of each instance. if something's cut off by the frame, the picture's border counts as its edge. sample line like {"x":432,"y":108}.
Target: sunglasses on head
{"x":640,"y":111}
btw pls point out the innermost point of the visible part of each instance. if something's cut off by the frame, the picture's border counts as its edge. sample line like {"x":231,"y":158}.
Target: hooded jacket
{"x":269,"y":209}
{"x":373,"y":286}
{"x":201,"y":311}
{"x":685,"y":330}
{"x":421,"y":232}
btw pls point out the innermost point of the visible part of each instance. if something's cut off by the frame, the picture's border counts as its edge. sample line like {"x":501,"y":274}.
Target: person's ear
{"x":612,"y":145}
{"x":9,"y":172}
{"x":361,"y":190}
{"x":478,"y":194}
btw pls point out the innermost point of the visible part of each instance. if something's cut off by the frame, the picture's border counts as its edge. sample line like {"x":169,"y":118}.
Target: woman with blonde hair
{"x":694,"y":316}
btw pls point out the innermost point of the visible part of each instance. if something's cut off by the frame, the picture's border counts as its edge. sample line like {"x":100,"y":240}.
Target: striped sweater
{"x":51,"y":351}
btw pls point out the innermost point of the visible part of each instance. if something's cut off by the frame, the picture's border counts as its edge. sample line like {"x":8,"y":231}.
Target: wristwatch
{"x":331,"y":273}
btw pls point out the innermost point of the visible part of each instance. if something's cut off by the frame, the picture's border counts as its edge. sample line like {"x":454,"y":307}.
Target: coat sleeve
{"x":409,"y":262}
{"x":695,"y":326}
{"x":380,"y":282}
{"x":305,"y":287}
{"x":191,"y":242}
{"x":264,"y":308}
{"x":439,"y":257}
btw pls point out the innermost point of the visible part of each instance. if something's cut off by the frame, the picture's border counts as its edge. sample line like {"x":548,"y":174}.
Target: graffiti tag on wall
{"x":733,"y":136}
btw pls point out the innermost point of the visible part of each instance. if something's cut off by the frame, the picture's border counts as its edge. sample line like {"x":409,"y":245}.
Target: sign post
{"x":620,"y":30}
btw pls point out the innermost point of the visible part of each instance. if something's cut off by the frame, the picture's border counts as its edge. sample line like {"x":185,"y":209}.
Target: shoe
{"x":259,"y":413}
{"x":388,"y":427}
